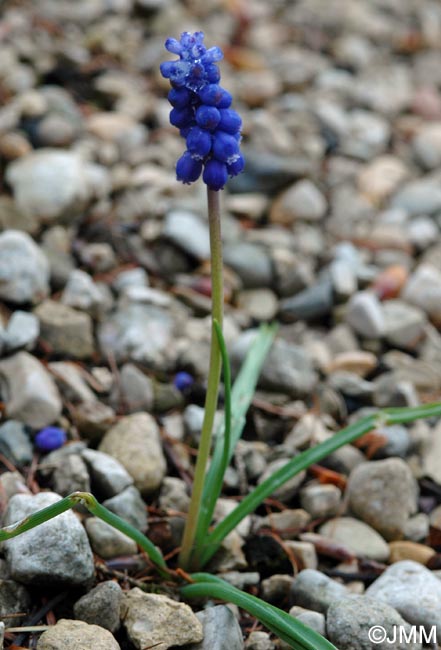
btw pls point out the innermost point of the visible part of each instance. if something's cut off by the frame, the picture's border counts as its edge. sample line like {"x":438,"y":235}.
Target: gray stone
{"x":314,"y":620}
{"x":56,"y":552}
{"x":269,"y":172}
{"x":344,"y":279}
{"x":259,"y":641}
{"x":251,"y":263}
{"x":320,"y":500}
{"x":99,"y":257}
{"x":287,"y":523}
{"x":49,"y":183}
{"x":82,"y":293}
{"x":383,"y":493}
{"x":422,"y":232}
{"x":303,"y":200}
{"x":108,"y":476}
{"x":22,"y":331}
{"x":15,"y":444}
{"x":107,"y":541}
{"x":313,"y":590}
{"x":241,"y":579}
{"x":173,"y":495}
{"x":11,"y":217}
{"x":413,"y":590}
{"x":351,"y":384}
{"x":427,"y":146}
{"x":397,"y":441}
{"x":287,"y":367}
{"x":13,"y":483}
{"x":136,"y":277}
{"x":366,"y":135}
{"x":71,"y":382}
{"x":350,"y":620}
{"x":101,"y":606}
{"x":422,"y":196}
{"x":129,"y":506}
{"x":56,"y":245}
{"x":135,"y":442}
{"x":135,"y":389}
{"x":260,"y":304}
{"x":93,"y":419}
{"x":76,"y":635}
{"x":70,"y":475}
{"x":66,"y":330}
{"x":432,"y":455}
{"x":55,"y":131}
{"x":52,"y":460}
{"x":417,"y":527}
{"x":24,"y":269}
{"x":309,"y":304}
{"x":292,"y":274}
{"x":390,"y":392}
{"x":359,"y":538}
{"x":365,"y":315}
{"x":28,"y":391}
{"x":303,"y":552}
{"x":14,"y":599}
{"x":404,"y":324}
{"x":188,"y":232}
{"x":139,"y":332}
{"x":152,"y":618}
{"x":423,"y":289}
{"x":213,"y":620}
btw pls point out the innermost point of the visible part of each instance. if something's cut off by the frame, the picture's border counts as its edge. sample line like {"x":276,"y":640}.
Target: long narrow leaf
{"x":227,"y":405}
{"x":241,"y":398}
{"x":288,"y":628}
{"x":305,"y":460}
{"x":89,"y":501}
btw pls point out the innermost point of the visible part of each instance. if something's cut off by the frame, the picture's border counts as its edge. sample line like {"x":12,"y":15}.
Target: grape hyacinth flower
{"x":183,"y":381}
{"x":50,"y":438}
{"x":201,"y":111}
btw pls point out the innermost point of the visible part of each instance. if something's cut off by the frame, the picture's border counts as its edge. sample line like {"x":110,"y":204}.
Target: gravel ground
{"x":333,"y":230}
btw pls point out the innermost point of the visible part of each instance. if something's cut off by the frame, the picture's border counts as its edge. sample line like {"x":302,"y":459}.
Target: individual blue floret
{"x":215,"y":174}
{"x":230,"y":121}
{"x":236,"y":167}
{"x":225,"y":147}
{"x":201,"y":111}
{"x":50,"y":438}
{"x":214,"y":95}
{"x":199,"y":142}
{"x":207,"y":117}
{"x":183,"y":380}
{"x":188,"y":168}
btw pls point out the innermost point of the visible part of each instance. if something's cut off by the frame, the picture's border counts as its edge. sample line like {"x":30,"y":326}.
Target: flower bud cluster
{"x":201,"y":111}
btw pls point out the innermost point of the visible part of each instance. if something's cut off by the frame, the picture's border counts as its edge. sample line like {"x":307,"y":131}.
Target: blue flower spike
{"x":201,"y":111}
{"x":50,"y":438}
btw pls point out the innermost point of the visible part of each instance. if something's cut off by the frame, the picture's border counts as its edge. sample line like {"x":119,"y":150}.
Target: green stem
{"x":217,"y":301}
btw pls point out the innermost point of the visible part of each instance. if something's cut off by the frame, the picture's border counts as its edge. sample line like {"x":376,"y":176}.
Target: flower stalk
{"x":217,"y":301}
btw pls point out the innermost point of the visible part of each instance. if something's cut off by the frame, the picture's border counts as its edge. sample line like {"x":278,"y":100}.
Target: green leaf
{"x":241,"y":397}
{"x":305,"y":460}
{"x":285,"y":626}
{"x":89,"y":501}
